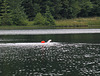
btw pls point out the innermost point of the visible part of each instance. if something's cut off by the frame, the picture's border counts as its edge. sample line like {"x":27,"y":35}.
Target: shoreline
{"x":47,"y":27}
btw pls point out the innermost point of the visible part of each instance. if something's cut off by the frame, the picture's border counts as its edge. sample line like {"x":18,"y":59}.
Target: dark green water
{"x":66,"y":38}
{"x":66,"y":55}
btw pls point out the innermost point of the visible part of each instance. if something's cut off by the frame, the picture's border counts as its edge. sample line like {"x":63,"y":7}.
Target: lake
{"x":72,"y":52}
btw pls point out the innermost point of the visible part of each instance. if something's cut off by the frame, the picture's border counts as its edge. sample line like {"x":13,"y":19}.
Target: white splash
{"x":49,"y":41}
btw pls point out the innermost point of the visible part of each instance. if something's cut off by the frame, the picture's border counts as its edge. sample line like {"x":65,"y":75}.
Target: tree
{"x":70,"y":8}
{"x":49,"y":20}
{"x":46,"y":20}
{"x":29,"y":8}
{"x":64,"y":10}
{"x":74,"y":8}
{"x":32,"y":7}
{"x":18,"y":14}
{"x":39,"y":19}
{"x":86,"y":7}
{"x":56,"y":8}
{"x":5,"y":17}
{"x":96,"y":8}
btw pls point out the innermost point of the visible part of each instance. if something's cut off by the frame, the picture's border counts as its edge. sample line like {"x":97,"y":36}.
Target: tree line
{"x":16,"y":12}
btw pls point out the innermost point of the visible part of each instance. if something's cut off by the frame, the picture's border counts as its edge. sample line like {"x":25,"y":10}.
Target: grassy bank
{"x":23,"y":27}
{"x":78,"y":23}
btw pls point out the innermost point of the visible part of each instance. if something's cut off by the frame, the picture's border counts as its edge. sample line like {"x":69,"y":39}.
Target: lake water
{"x":71,"y":52}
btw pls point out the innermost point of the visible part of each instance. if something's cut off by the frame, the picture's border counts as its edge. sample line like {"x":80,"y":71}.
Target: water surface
{"x":67,"y":55}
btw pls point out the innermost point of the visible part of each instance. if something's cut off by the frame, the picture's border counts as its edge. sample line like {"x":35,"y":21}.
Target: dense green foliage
{"x":62,"y":8}
{"x":49,"y":20}
{"x":16,"y":12}
{"x":39,"y":19}
{"x":5,"y":18}
{"x":12,"y":13}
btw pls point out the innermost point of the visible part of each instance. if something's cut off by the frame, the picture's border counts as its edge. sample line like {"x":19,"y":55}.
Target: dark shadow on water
{"x":69,"y":38}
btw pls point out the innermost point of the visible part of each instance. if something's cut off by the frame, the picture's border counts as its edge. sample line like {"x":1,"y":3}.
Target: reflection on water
{"x":54,"y":59}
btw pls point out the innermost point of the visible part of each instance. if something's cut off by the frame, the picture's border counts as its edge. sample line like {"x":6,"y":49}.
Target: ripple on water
{"x":54,"y":59}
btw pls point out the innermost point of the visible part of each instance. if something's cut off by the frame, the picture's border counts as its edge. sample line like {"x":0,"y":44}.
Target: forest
{"x":45,"y":12}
